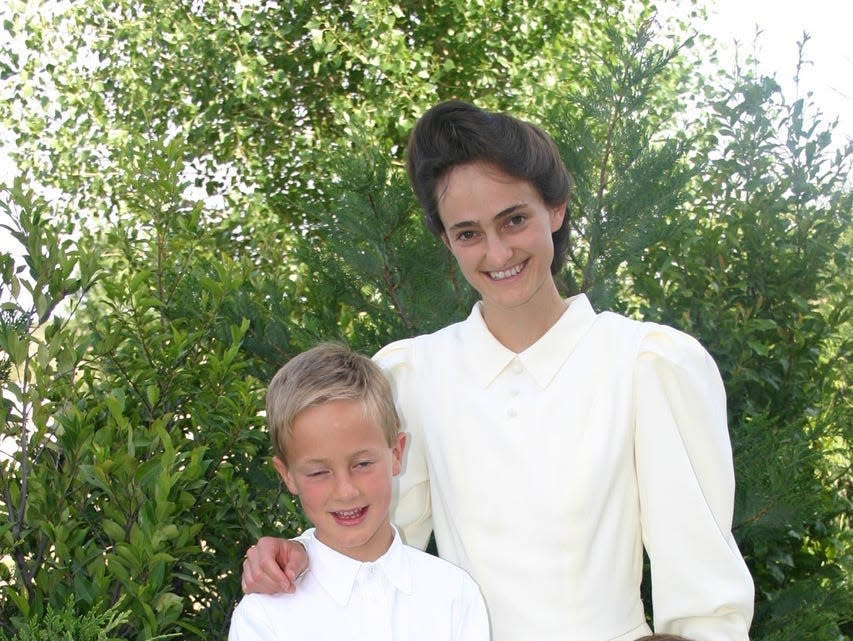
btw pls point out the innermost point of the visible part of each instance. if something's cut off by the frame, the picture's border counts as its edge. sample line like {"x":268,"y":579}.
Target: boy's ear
{"x":397,"y":453}
{"x":284,"y":473}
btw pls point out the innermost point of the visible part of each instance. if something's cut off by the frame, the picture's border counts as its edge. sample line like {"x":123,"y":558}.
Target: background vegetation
{"x":209,"y":187}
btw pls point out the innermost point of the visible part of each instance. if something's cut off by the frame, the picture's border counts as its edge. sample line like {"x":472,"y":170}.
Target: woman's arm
{"x":701,"y":587}
{"x":412,"y":510}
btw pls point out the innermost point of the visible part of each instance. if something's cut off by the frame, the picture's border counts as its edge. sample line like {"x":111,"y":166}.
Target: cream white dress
{"x":544,"y":474}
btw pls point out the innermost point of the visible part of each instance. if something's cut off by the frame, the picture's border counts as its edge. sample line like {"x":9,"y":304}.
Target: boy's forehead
{"x":335,"y":429}
{"x":325,"y":459}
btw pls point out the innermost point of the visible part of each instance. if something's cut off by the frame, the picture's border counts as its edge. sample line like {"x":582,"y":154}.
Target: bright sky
{"x":782,"y":22}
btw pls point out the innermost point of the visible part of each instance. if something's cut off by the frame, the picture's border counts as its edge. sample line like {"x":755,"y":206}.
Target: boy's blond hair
{"x":328,"y":372}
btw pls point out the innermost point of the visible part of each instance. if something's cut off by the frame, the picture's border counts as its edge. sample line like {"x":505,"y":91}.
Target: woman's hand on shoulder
{"x":273,"y":565}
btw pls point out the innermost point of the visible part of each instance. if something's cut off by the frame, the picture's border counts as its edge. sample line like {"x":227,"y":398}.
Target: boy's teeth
{"x":346,"y":513}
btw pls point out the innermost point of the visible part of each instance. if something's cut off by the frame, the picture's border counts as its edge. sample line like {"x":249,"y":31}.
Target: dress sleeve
{"x":411,"y":512}
{"x":701,"y":587}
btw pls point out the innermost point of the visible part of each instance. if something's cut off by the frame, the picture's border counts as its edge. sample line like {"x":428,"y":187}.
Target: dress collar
{"x":337,"y":573}
{"x":487,"y":357}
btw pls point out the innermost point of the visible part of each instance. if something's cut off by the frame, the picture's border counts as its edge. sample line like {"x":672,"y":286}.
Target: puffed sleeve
{"x":411,"y":513}
{"x":701,"y":587}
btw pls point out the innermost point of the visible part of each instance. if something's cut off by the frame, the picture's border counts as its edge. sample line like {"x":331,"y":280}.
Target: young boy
{"x":337,"y":445}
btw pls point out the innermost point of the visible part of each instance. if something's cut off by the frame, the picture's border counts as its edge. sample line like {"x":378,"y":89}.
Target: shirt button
{"x":511,"y":412}
{"x":517,"y":367}
{"x":514,"y":392}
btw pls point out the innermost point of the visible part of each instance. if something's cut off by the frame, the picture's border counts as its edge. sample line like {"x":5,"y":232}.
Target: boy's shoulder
{"x":431,"y":570}
{"x":280,"y":602}
{"x":259,"y":615}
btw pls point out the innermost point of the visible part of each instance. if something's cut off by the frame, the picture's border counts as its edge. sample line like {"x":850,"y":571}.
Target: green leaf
{"x":113,"y":530}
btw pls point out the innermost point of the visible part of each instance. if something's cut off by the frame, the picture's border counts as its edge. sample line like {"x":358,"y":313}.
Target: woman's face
{"x":499,"y":230}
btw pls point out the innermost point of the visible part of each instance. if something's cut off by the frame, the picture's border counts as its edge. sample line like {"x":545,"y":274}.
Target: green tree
{"x":257,"y":87}
{"x":226,"y":188}
{"x":760,"y":270}
{"x":140,"y":473}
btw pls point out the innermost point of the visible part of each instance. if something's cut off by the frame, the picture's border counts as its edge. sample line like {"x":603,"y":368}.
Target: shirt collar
{"x":488,"y":357}
{"x":337,"y":573}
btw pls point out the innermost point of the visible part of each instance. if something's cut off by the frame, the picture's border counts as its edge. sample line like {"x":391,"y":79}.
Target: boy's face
{"x":499,"y":230}
{"x":341,"y":466}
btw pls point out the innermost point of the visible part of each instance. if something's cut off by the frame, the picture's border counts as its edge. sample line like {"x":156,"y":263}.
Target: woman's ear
{"x":286,"y":476}
{"x":558,"y":213}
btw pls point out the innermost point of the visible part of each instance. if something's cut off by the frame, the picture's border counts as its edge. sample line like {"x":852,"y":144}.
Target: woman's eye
{"x":465,"y":235}
{"x":516,"y":220}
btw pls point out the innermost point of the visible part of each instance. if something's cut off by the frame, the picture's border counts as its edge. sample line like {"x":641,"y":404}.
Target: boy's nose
{"x":345,"y":488}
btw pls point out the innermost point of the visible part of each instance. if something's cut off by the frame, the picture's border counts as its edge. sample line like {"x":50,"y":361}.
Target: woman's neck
{"x":517,"y":328}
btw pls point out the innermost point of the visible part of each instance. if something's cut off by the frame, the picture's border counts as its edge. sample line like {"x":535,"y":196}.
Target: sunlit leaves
{"x":136,"y":455}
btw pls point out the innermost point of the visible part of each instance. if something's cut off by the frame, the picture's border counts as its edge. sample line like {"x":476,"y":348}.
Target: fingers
{"x":291,"y":556}
{"x":261,"y":572}
{"x":246,"y":577}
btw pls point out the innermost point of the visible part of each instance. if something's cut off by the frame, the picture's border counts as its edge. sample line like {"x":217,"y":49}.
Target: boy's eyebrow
{"x":503,"y":213}
{"x":315,"y":461}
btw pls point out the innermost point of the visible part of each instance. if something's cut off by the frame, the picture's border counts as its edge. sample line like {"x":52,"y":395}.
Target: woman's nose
{"x":497,"y":252}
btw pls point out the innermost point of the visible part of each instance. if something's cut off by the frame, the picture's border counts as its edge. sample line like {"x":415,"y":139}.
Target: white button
{"x":517,"y":367}
{"x":511,"y":412}
{"x":514,"y":392}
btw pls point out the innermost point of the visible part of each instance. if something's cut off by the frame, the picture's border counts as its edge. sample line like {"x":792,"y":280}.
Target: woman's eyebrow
{"x":503,"y":213}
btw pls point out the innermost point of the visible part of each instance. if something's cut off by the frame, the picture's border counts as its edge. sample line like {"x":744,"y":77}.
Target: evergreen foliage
{"x":66,"y":625}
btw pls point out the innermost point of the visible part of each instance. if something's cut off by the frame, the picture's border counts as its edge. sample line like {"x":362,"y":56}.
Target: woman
{"x":551,"y":444}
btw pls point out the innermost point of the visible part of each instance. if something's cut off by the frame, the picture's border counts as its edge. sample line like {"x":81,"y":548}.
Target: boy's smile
{"x":350,"y":517}
{"x":341,"y":466}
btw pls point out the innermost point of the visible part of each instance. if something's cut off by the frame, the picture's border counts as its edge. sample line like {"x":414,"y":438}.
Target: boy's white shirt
{"x":405,"y":595}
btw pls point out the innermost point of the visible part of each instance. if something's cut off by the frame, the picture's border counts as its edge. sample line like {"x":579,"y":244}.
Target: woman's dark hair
{"x":456,"y":133}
